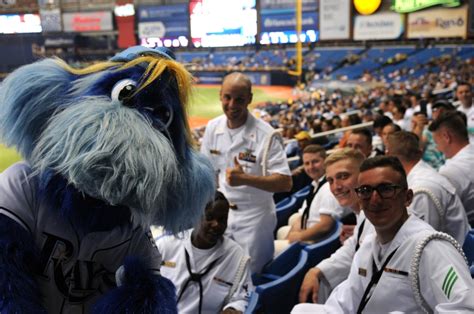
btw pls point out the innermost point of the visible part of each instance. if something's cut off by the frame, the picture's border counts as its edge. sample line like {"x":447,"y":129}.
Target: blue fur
{"x":29,"y":96}
{"x":18,"y":256}
{"x":141,"y":292}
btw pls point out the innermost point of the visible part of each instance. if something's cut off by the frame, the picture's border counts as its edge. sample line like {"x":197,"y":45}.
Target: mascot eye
{"x":123,"y":89}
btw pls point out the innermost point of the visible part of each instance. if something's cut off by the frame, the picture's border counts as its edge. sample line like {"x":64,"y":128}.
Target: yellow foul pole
{"x":299,"y":46}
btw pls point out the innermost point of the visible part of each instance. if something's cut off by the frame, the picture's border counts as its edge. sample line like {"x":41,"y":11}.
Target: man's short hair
{"x":386,"y":161}
{"x":381,"y":121}
{"x":218,"y":198}
{"x":364,"y":132}
{"x":405,"y":145}
{"x":463,"y":83}
{"x":345,"y":153}
{"x":443,"y":103}
{"x":315,"y":149}
{"x":454,"y":121}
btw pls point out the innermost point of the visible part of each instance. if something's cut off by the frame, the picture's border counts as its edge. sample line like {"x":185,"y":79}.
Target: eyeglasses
{"x":385,"y":191}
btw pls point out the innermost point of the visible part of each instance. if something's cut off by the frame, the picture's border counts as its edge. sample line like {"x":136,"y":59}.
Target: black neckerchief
{"x":309,"y":200}
{"x":359,"y":233}
{"x":195,"y":277}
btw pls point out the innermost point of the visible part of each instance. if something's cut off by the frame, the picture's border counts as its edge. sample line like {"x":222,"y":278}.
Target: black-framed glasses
{"x":384,"y":190}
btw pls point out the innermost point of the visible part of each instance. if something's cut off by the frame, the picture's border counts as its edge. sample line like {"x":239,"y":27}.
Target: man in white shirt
{"x":464,"y":103}
{"x":435,"y":200}
{"x":405,"y":266}
{"x":210,"y":271}
{"x":451,"y":138}
{"x":240,"y":148}
{"x":342,"y":169}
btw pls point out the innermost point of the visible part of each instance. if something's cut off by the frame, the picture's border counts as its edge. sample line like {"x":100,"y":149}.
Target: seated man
{"x":435,"y":200}
{"x":210,"y":271}
{"x":451,"y":137}
{"x":405,"y":266}
{"x":342,"y":169}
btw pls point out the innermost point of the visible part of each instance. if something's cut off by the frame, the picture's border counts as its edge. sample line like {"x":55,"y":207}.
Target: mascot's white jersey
{"x":75,"y":269}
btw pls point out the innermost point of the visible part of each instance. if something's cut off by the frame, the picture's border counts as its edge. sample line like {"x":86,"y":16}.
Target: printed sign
{"x":438,"y":23}
{"x":88,"y":21}
{"x":407,"y":6}
{"x":334,"y":19}
{"x":378,"y":26}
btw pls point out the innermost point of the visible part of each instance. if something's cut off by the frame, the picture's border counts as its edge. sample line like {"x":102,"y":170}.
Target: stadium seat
{"x":323,"y":249}
{"x":301,"y":194}
{"x":254,"y":304}
{"x":280,"y":295}
{"x":280,"y":265}
{"x":468,"y":249}
{"x":284,"y":209}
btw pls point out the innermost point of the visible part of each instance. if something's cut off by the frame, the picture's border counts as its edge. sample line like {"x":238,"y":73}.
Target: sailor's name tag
{"x":363,"y":272}
{"x":168,"y":264}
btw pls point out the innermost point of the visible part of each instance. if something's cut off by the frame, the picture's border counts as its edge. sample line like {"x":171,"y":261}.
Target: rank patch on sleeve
{"x":449,"y":281}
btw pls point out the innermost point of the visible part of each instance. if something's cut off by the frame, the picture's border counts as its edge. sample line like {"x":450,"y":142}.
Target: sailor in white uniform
{"x":435,"y":200}
{"x":239,"y":147}
{"x":210,"y":271}
{"x":452,"y":140}
{"x":405,"y":266}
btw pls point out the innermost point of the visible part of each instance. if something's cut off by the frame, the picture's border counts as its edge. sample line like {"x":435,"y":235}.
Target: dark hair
{"x":385,"y":161}
{"x":443,"y":103}
{"x":315,"y":149}
{"x":462,"y":83}
{"x":381,"y":121}
{"x":218,"y":197}
{"x":405,"y":145}
{"x":395,"y":126}
{"x":364,"y":132}
{"x":454,"y":121}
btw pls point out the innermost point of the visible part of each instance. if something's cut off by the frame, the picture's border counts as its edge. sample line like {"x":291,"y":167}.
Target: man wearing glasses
{"x":404,"y":266}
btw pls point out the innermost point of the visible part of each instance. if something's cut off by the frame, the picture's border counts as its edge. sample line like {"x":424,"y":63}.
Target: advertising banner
{"x":379,"y":26}
{"x":307,"y":5}
{"x":88,"y":21}
{"x":408,"y":6}
{"x":165,"y":21}
{"x":334,"y":19}
{"x":438,"y":23}
{"x":279,"y":22}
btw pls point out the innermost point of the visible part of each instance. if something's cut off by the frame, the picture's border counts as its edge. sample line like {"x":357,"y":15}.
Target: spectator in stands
{"x":299,"y":227}
{"x":379,"y":123}
{"x":435,"y":200}
{"x":361,"y":139}
{"x":387,"y":130}
{"x":398,"y":113}
{"x":210,"y":271}
{"x":342,"y":171}
{"x":464,"y":103}
{"x":236,"y":144}
{"x":380,"y":279}
{"x":452,"y":139}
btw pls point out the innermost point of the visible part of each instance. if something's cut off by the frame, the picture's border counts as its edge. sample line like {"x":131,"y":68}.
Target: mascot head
{"x":115,"y":132}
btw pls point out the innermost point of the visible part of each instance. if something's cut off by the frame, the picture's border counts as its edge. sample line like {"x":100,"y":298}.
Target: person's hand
{"x":294,"y":236}
{"x":234,"y":175}
{"x":346,"y":232}
{"x":231,"y":310}
{"x":310,"y":286}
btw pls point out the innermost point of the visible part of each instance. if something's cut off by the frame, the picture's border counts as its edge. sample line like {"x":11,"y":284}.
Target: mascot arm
{"x":19,"y":292}
{"x":141,"y":290}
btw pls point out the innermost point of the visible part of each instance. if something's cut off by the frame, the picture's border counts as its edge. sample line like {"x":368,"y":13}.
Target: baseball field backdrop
{"x":205,"y":105}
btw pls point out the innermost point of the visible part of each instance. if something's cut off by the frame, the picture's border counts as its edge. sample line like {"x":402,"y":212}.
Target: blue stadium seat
{"x":301,"y":194}
{"x":468,"y":249}
{"x":254,"y":304}
{"x":323,"y":249}
{"x":280,"y":265}
{"x":280,"y":295}
{"x":284,"y":209}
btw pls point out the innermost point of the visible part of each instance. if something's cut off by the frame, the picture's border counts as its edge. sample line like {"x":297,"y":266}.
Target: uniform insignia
{"x":214,"y":151}
{"x":219,"y":280}
{"x":395,"y":271}
{"x":168,"y":264}
{"x":363,"y":272}
{"x":449,"y":281}
{"x":248,"y":156}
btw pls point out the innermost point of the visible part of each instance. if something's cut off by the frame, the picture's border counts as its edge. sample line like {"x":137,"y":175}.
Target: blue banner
{"x":307,"y":5}
{"x":280,"y":22}
{"x":152,"y":13}
{"x":165,"y":21}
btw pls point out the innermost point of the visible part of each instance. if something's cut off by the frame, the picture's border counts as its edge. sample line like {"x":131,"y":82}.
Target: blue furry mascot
{"x":107,"y":153}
